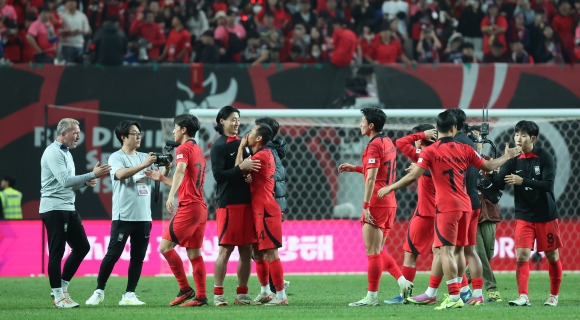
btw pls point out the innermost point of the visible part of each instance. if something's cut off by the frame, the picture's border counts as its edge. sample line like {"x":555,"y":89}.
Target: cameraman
{"x":131,"y":210}
{"x":486,"y":227}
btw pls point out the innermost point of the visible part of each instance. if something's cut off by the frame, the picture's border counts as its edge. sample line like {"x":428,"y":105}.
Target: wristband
{"x":366,"y":205}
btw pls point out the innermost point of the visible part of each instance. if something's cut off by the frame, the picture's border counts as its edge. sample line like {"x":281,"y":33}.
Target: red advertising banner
{"x":309,"y":246}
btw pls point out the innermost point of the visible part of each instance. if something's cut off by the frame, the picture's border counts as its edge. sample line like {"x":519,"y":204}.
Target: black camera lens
{"x":163,"y":159}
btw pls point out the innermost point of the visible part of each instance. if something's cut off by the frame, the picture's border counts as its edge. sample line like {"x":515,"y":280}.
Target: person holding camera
{"x":489,"y":217}
{"x":131,"y":211}
{"x":428,"y":46}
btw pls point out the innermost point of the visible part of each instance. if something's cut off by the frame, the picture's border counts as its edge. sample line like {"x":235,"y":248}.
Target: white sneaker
{"x":97,"y":297}
{"x":67,"y":296}
{"x":406,"y":287}
{"x":286,"y":284}
{"x":365,"y":302}
{"x":130,"y":299}
{"x":264,"y":297}
{"x":276,"y":302}
{"x":552,"y":301}
{"x":523,"y":300}
{"x":219,"y":300}
{"x":245,"y":300}
{"x":65,"y":303}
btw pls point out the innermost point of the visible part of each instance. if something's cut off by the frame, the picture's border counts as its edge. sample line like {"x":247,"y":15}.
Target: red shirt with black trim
{"x":425,"y":187}
{"x":191,"y":188}
{"x":262,"y":187}
{"x":381,"y":153}
{"x":449,"y":160}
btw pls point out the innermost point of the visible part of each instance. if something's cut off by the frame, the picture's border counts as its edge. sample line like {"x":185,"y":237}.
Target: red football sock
{"x":555,"y":277}
{"x":242,"y":290}
{"x":476,"y":282}
{"x":453,"y":288}
{"x":218,"y":291}
{"x":176,"y":266}
{"x":375,"y":269}
{"x":434,"y":282}
{"x":277,"y":274}
{"x":199,"y":277}
{"x":522,"y":276}
{"x":409,"y":273}
{"x":263,"y":272}
{"x":465,"y":283}
{"x":390,"y":265}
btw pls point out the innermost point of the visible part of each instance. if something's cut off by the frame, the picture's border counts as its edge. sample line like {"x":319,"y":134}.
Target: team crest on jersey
{"x":179,"y":156}
{"x":537,"y":170}
{"x":420,"y":160}
{"x":372,"y":160}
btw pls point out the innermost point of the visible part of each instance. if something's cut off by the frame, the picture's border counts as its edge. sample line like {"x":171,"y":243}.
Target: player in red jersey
{"x":448,"y":161}
{"x":187,"y":226}
{"x":267,"y":212}
{"x":378,"y":167}
{"x":419,"y":238}
{"x":533,"y":174}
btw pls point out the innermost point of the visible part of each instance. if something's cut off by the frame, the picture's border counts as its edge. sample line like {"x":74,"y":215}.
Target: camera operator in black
{"x":471,"y":179}
{"x":486,"y":227}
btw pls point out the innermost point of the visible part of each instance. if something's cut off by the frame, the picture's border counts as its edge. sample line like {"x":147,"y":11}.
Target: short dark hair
{"x":208,"y":33}
{"x":266,"y":132}
{"x":529,"y":127}
{"x":271,"y":122}
{"x":460,"y":118}
{"x":122,"y":129}
{"x":423,"y":127}
{"x":375,"y":116}
{"x":446,"y":120}
{"x":189,"y":122}
{"x":43,"y":8}
{"x":10,"y":179}
{"x":224,"y":113}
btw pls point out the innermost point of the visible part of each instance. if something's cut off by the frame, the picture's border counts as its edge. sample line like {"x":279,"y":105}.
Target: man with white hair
{"x":57,"y":208}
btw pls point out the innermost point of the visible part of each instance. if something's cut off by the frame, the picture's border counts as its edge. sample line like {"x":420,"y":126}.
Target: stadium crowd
{"x":304,"y":31}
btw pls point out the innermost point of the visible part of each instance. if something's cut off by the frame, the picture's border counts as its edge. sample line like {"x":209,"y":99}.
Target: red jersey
{"x":262,"y":187}
{"x":176,"y":42}
{"x":380,"y":153}
{"x":425,"y":187}
{"x":385,"y":53}
{"x":501,"y":22}
{"x":449,"y":160}
{"x":191,"y":188}
{"x":153,"y":33}
{"x":344,"y":42}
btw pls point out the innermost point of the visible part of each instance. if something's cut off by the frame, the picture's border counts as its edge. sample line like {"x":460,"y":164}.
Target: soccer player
{"x":466,"y":250}
{"x":131,"y":211}
{"x":532,"y":174}
{"x":378,"y":167}
{"x":448,"y":161}
{"x":422,"y":224}
{"x":267,"y":213}
{"x":278,"y":148}
{"x":234,"y":217}
{"x":187,"y":226}
{"x":57,"y":209}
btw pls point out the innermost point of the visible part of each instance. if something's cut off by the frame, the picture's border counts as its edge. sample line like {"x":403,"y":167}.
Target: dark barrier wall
{"x":164,"y":91}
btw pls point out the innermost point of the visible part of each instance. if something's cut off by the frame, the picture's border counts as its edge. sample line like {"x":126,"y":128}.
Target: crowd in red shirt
{"x":364,"y":31}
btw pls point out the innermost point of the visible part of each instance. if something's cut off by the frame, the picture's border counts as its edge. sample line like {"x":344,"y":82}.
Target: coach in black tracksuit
{"x":533,"y":174}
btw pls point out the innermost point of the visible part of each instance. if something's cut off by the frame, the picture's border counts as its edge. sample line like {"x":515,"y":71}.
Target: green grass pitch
{"x":311,"y":297}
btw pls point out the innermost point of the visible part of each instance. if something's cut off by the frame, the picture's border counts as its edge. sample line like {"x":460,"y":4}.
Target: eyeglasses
{"x":137,"y":134}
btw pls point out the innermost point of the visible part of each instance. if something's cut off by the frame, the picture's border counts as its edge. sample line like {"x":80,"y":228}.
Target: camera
{"x":489,"y":190}
{"x":163,"y":159}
